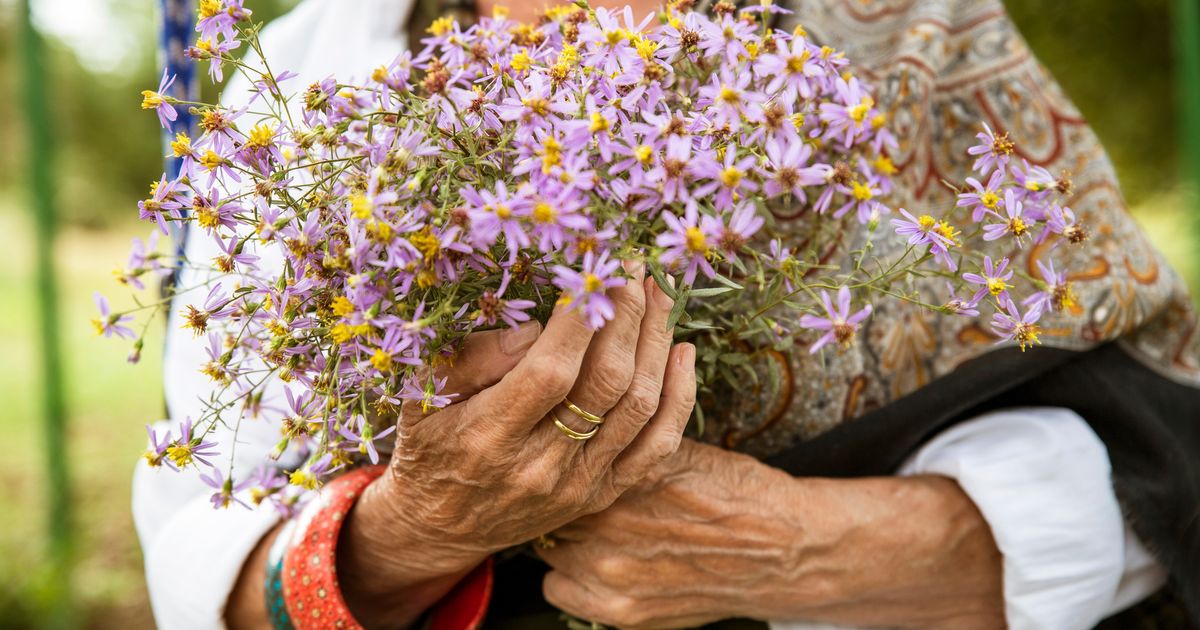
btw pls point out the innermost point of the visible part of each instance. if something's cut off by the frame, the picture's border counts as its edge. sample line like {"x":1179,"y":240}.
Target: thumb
{"x":486,"y":357}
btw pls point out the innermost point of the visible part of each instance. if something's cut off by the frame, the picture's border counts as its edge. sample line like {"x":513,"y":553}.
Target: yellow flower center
{"x":996,"y":286}
{"x":382,"y":361}
{"x":440,"y":26}
{"x":360,"y":206}
{"x":729,"y":95}
{"x":151,"y":99}
{"x":861,"y":191}
{"x":731,"y":177}
{"x":342,"y":306}
{"x":796,"y":64}
{"x":591,"y":283}
{"x":521,"y":61}
{"x":182,"y":145}
{"x":599,"y":123}
{"x":989,"y":199}
{"x":926,"y":222}
{"x":539,"y":106}
{"x":858,"y":113}
{"x":695,"y":240}
{"x":211,"y":160}
{"x":208,"y":217}
{"x":502,"y":211}
{"x":260,"y":136}
{"x":544,"y":212}
{"x":1017,"y":226}
{"x":208,"y":8}
{"x":644,"y":154}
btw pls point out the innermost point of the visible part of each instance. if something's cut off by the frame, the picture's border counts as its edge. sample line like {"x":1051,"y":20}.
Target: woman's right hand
{"x":492,"y":470}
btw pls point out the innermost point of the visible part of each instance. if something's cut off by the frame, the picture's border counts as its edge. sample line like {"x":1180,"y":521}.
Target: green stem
{"x":1187,"y":82}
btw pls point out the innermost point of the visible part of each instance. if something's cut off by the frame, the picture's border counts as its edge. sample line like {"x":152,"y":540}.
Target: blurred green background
{"x":1114,"y":58}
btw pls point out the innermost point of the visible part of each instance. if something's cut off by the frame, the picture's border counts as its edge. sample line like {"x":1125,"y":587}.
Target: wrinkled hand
{"x":492,"y":471}
{"x":717,"y":535}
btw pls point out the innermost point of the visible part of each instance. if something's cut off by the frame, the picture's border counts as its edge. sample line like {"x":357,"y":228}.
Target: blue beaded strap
{"x":176,"y":31}
{"x":277,"y":610}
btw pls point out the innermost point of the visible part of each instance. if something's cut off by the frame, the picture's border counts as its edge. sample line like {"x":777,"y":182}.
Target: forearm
{"x":247,"y":606}
{"x":909,"y":552}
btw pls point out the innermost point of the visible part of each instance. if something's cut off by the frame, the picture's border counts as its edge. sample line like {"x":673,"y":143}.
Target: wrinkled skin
{"x":493,"y":471}
{"x":715,"y":535}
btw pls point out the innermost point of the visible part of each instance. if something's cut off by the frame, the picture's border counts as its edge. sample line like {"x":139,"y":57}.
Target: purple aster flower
{"x":109,"y":323}
{"x":226,"y":492}
{"x":839,"y":324}
{"x":156,"y":454}
{"x":958,"y":306}
{"x":792,"y":69}
{"x":729,"y":98}
{"x":188,"y":449}
{"x":496,"y":213}
{"x":862,"y":195}
{"x":428,"y":394}
{"x":689,"y":240}
{"x":725,"y":36}
{"x":162,"y":202}
{"x":1011,"y":325}
{"x":1013,"y":221}
{"x":608,"y":47}
{"x":993,"y":281}
{"x":1035,"y":180}
{"x":1057,"y":293}
{"x":674,"y":172}
{"x":743,"y":223}
{"x":586,"y":289}
{"x":920,"y":231}
{"x":728,"y":179}
{"x":157,"y":100}
{"x":788,"y":169}
{"x":362,"y":436}
{"x":493,"y":307}
{"x":984,"y":199}
{"x":848,"y":117}
{"x":1061,"y":220}
{"x":993,"y":151}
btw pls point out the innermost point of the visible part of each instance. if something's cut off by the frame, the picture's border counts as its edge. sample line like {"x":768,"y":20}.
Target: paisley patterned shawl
{"x":940,"y":68}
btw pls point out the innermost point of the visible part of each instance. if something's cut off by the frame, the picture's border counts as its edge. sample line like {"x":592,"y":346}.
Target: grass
{"x":109,"y":401}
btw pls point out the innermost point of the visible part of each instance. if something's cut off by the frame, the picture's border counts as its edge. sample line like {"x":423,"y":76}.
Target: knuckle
{"x":632,"y":304}
{"x":553,"y":376}
{"x":641,"y":400}
{"x":539,"y":482}
{"x":613,"y":569}
{"x":623,"y":610}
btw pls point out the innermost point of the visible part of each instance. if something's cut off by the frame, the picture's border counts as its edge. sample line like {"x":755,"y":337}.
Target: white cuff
{"x":193,"y":553}
{"x":1042,"y":479}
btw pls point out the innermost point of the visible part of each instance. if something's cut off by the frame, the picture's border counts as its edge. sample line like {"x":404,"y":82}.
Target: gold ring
{"x":573,"y":434}
{"x":590,"y":417}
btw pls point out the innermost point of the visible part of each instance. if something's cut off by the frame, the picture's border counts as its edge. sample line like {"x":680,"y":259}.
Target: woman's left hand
{"x":716,"y":535}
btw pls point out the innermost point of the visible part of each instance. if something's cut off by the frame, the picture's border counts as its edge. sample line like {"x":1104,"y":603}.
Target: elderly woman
{"x":924,"y":478}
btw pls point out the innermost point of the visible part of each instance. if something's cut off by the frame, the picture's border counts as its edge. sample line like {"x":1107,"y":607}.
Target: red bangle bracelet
{"x":310,"y":585}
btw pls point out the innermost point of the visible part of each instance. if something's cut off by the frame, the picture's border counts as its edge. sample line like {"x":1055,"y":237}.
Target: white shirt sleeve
{"x":193,"y":552}
{"x":1042,"y":480}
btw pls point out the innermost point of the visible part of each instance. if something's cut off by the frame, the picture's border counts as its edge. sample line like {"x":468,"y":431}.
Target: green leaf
{"x":711,"y":292}
{"x":661,"y":279}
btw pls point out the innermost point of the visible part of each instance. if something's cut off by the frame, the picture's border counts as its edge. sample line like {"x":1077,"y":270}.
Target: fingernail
{"x":671,"y":281}
{"x":517,"y":340}
{"x":634,"y":267}
{"x":660,"y":297}
{"x":686,"y":357}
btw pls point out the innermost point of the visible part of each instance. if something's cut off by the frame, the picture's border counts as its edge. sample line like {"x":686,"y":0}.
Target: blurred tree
{"x":1114,"y":58}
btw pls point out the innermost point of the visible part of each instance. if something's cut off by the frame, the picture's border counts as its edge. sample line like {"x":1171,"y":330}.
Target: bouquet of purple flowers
{"x":507,"y":168}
